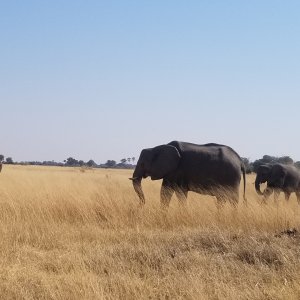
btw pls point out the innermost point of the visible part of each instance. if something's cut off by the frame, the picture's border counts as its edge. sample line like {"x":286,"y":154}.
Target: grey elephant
{"x":210,"y":169}
{"x":279,"y":178}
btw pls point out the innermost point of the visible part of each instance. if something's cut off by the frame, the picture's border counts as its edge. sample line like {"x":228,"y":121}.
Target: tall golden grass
{"x":68,"y":233}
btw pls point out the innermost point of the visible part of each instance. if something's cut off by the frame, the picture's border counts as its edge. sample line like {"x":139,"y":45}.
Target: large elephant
{"x":210,"y":169}
{"x":279,"y":178}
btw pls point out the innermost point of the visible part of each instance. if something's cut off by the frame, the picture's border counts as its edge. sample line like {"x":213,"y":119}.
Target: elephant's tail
{"x":244,"y":178}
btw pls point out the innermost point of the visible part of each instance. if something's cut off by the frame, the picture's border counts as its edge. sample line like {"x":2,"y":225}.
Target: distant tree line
{"x":125,"y":163}
{"x":129,"y":163}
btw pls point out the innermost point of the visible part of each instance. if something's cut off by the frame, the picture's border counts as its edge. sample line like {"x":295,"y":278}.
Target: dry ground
{"x":68,"y":234}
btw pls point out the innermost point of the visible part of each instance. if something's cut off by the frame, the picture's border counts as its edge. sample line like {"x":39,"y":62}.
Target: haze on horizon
{"x":104,"y":79}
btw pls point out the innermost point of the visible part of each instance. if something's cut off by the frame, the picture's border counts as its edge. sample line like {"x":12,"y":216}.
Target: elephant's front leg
{"x":287,"y":196}
{"x":166,"y":193}
{"x":276,"y":195}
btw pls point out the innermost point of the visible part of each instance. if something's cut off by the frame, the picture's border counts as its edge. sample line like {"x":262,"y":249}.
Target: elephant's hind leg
{"x":229,"y":195}
{"x":220,"y":201}
{"x":276,"y":195}
{"x":233,"y":199}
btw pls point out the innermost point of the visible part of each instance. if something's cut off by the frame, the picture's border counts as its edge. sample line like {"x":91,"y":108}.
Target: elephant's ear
{"x":165,"y":161}
{"x":264,"y":169}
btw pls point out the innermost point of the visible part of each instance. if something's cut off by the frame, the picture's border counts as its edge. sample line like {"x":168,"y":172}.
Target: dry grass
{"x":67,"y":234}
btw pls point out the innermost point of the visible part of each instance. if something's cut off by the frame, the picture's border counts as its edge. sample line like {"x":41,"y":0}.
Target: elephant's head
{"x":157,"y":163}
{"x":262,"y":175}
{"x":277,"y":176}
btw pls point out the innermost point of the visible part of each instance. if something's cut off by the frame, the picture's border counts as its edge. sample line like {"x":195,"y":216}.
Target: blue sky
{"x":104,"y":79}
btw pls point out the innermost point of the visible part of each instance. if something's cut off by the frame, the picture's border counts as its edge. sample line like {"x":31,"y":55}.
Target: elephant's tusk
{"x":133,"y":178}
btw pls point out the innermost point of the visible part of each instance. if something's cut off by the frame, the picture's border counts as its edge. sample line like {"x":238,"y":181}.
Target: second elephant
{"x":279,"y":177}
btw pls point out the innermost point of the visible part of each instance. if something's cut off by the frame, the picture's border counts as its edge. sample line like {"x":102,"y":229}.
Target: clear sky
{"x":104,"y":79}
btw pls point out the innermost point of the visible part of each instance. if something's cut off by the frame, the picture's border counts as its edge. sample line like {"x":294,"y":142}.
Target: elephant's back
{"x":208,"y":160}
{"x":213,"y":150}
{"x":214,"y":164}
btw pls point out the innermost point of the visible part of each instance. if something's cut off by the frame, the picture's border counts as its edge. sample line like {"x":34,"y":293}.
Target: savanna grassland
{"x":68,"y":233}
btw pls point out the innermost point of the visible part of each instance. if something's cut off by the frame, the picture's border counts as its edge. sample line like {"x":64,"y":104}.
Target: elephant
{"x":279,"y":177}
{"x":0,"y":166}
{"x":210,"y":169}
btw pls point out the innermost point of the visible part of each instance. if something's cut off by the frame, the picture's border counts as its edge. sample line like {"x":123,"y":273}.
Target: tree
{"x":110,"y":163}
{"x":123,"y":161}
{"x":133,"y":159}
{"x":1,"y":157}
{"x":9,"y":160}
{"x":269,"y":158}
{"x":71,"y":161}
{"x":91,"y":163}
{"x":285,"y":160}
{"x":129,"y":159}
{"x":81,"y":163}
{"x":297,"y":164}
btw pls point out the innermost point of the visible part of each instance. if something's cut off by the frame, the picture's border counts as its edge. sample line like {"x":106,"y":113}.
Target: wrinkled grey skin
{"x":210,"y":169}
{"x":279,"y":177}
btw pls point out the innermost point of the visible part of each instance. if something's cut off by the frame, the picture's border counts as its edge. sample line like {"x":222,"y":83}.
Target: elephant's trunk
{"x":136,"y":182}
{"x":257,"y":187}
{"x":138,"y":189}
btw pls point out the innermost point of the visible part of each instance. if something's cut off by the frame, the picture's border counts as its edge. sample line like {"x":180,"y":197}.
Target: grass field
{"x":68,"y":233}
